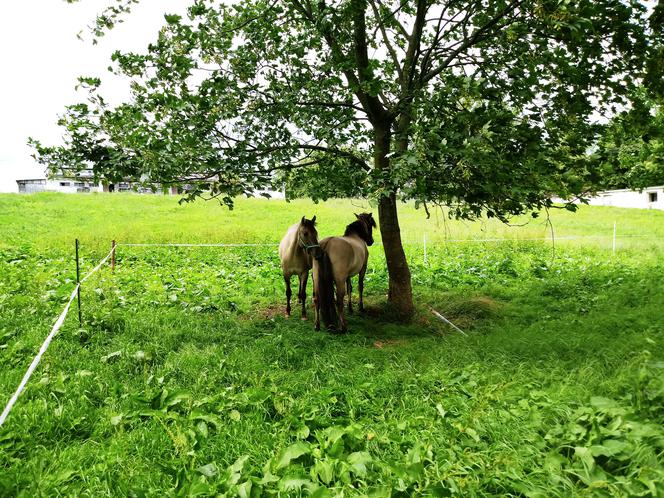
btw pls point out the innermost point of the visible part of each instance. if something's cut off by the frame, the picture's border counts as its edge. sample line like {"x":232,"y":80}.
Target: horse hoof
{"x":303,"y":318}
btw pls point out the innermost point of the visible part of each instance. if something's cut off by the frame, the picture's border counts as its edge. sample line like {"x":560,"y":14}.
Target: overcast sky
{"x":40,"y":59}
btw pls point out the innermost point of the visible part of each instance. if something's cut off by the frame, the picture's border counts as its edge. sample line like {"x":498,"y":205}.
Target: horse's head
{"x":307,"y":236}
{"x":369,"y":223}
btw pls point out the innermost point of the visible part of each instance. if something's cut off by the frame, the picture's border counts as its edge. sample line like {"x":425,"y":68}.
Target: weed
{"x":187,"y":379}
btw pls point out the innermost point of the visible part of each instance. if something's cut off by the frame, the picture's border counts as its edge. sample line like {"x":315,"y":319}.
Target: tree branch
{"x":371,"y":105}
{"x":386,"y":39}
{"x":375,"y":109}
{"x":469,"y":42}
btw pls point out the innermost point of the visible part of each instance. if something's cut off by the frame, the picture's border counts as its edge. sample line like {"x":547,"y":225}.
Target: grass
{"x":186,"y":379}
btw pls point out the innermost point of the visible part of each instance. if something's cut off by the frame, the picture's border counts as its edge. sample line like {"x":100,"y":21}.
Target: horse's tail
{"x":325,"y":284}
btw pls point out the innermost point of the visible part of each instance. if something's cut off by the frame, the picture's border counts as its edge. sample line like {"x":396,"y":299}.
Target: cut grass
{"x":187,"y":379}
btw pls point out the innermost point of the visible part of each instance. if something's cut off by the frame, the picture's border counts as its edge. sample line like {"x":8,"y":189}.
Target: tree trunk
{"x":400,"y":293}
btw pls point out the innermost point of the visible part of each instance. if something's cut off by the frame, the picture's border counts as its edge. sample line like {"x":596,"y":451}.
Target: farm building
{"x":58,"y":184}
{"x":83,"y":182}
{"x":32,"y":185}
{"x":648,"y":198}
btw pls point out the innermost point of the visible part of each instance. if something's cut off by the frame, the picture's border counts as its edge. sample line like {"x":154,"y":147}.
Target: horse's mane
{"x":357,"y":227}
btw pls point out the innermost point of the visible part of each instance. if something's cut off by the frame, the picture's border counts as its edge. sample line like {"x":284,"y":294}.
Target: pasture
{"x":186,"y":379}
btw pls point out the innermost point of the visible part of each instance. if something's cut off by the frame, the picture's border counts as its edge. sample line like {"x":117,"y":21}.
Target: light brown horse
{"x":340,"y":259}
{"x":295,"y":252}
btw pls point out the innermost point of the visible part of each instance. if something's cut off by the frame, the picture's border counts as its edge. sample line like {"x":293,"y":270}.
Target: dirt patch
{"x":269,"y":312}
{"x":384,"y":343}
{"x":372,"y":311}
{"x":465,"y":312}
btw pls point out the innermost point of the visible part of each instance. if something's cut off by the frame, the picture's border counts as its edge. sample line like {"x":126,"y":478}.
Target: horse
{"x":296,"y":259}
{"x":339,"y":259}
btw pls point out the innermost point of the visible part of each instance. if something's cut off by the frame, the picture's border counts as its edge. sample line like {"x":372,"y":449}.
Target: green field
{"x":186,"y":379}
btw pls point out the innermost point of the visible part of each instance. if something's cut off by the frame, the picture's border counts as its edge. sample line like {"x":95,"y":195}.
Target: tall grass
{"x":186,"y":379}
{"x":98,"y":218}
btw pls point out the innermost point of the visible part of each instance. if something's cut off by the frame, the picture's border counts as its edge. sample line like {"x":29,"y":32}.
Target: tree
{"x":630,"y":150}
{"x":479,"y":105}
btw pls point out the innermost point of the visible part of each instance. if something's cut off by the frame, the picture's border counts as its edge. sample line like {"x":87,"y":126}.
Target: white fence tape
{"x":37,"y":358}
{"x":441,"y":317}
{"x":99,"y":265}
{"x":47,"y":342}
{"x":199,"y":245}
{"x":520,"y":239}
{"x":405,"y":240}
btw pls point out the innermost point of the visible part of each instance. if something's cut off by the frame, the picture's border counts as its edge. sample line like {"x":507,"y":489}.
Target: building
{"x":82,"y":181}
{"x":32,"y":185}
{"x":72,"y":185}
{"x":648,"y":198}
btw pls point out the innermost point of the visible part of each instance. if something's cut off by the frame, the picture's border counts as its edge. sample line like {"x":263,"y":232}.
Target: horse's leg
{"x":314,"y":281}
{"x":288,"y":294}
{"x":316,"y":313}
{"x":349,"y":290}
{"x":302,"y":295}
{"x":341,"y":291}
{"x":360,"y":286}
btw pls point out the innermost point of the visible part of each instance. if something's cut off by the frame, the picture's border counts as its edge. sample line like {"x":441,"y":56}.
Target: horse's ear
{"x":313,"y":220}
{"x":373,"y":222}
{"x":302,"y":221}
{"x":357,"y":215}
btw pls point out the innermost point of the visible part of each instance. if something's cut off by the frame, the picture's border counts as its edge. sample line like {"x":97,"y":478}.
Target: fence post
{"x":78,"y":283}
{"x":614,"y":237}
{"x":112,"y":256}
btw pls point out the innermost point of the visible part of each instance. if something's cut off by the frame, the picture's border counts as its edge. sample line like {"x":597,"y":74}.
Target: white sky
{"x":40,"y":59}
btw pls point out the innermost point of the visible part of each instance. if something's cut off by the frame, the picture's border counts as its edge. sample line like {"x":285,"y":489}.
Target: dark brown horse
{"x":340,"y":259}
{"x":295,"y":252}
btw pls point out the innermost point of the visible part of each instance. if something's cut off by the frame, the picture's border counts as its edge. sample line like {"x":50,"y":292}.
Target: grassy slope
{"x":185,"y":363}
{"x":53,"y":220}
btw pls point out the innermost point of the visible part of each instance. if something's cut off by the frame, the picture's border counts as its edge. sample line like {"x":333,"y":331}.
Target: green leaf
{"x":111,"y":357}
{"x":208,"y":418}
{"x":238,"y":466}
{"x":321,"y":492}
{"x":358,"y":462}
{"x":291,"y":453}
{"x":324,"y":470}
{"x":208,"y":470}
{"x":175,"y":398}
{"x":604,"y":404}
{"x":292,"y":483}
{"x":244,"y":489}
{"x":609,"y":447}
{"x":302,"y":432}
{"x":585,"y":456}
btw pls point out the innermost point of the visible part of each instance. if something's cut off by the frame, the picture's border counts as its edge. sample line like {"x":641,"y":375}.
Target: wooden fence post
{"x":113,"y":245}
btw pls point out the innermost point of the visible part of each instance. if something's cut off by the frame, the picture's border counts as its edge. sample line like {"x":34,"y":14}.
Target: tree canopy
{"x":483,"y":106}
{"x":630,"y":151}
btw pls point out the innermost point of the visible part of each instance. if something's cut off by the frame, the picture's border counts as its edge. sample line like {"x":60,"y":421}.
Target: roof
{"x":31,"y":180}
{"x":629,"y":190}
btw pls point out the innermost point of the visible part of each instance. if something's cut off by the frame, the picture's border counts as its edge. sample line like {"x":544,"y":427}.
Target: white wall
{"x":630,"y":198}
{"x":70,"y":186}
